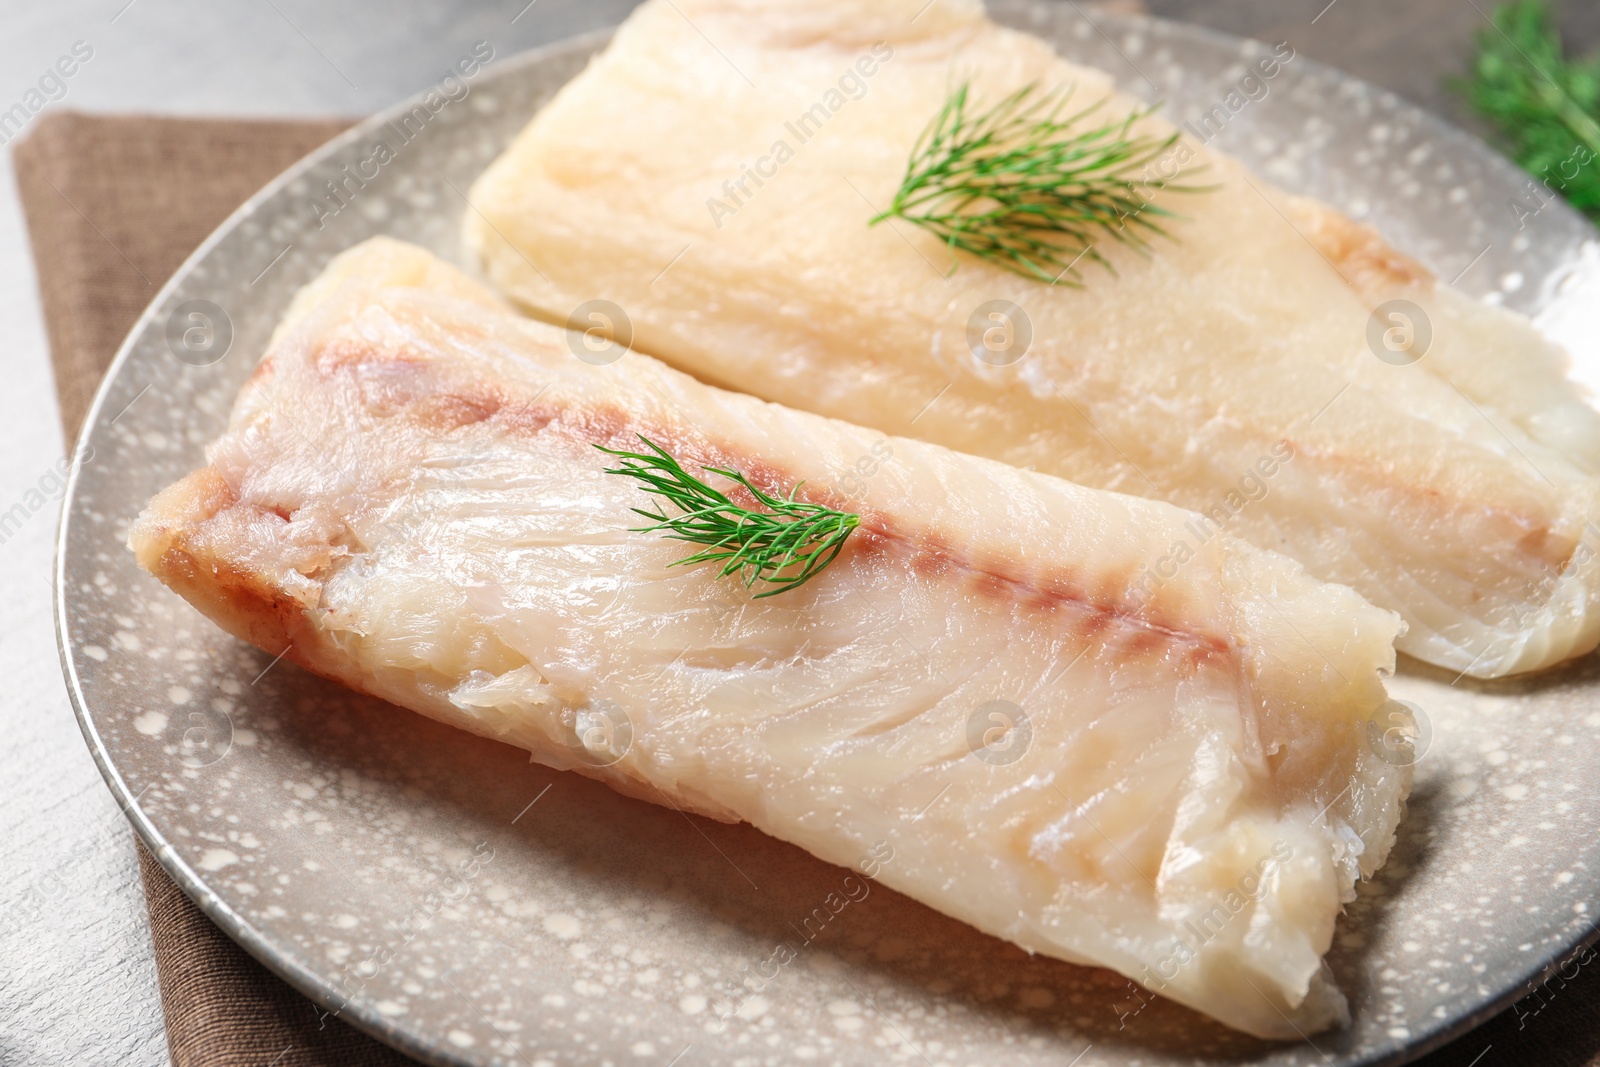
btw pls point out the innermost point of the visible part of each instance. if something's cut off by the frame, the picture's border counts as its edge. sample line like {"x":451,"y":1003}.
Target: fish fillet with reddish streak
{"x":408,"y":496}
{"x":721,"y":196}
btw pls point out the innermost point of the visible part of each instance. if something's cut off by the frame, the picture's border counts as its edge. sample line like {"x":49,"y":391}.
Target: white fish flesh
{"x":1178,"y":786}
{"x":713,"y":173}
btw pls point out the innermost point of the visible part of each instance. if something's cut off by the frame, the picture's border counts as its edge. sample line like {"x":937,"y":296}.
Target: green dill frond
{"x":783,"y":547}
{"x":1032,"y":189}
{"x":1545,"y":104}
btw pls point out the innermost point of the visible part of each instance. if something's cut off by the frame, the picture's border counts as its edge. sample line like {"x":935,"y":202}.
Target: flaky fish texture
{"x":1182,"y":787}
{"x":714,"y":172}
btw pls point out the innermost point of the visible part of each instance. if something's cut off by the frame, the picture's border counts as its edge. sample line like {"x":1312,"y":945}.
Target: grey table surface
{"x":77,"y":982}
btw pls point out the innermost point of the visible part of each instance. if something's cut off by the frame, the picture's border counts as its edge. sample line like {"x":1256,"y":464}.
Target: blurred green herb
{"x":1545,"y":104}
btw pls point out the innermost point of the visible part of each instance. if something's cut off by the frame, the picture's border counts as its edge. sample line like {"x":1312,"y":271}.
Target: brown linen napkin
{"x":114,"y":205}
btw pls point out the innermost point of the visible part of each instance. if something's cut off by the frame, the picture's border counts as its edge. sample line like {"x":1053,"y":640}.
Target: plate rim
{"x":322,"y":991}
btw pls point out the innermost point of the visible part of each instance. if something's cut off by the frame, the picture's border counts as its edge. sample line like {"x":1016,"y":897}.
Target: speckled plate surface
{"x":445,"y":894}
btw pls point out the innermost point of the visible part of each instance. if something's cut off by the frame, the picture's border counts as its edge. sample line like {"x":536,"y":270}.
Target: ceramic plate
{"x":443,"y":893}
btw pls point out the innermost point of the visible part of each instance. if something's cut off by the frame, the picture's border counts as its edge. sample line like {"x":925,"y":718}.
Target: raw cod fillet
{"x":1229,"y":371}
{"x":408,"y":498}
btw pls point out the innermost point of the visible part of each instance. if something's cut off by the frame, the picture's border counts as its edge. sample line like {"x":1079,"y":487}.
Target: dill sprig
{"x":784,"y":546}
{"x":1545,"y":104}
{"x":1030,"y":188}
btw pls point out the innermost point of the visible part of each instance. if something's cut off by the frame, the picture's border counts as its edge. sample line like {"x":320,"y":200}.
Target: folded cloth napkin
{"x":114,"y":205}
